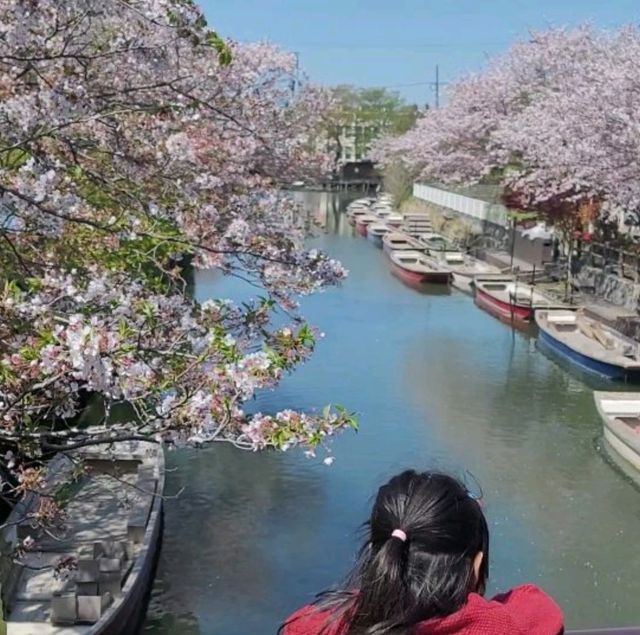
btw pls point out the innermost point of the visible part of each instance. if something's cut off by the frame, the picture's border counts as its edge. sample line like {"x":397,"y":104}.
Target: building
{"x":354,"y":140}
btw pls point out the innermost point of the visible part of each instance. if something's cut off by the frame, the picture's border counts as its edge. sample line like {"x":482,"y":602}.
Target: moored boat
{"x":415,"y":233}
{"x":414,"y":268}
{"x":510,"y":300}
{"x":363,"y":221}
{"x":115,"y":545}
{"x":465,"y":268}
{"x":436,"y":244}
{"x":391,"y":218}
{"x":376,"y":232}
{"x":421,"y":221}
{"x":590,"y":345}
{"x":398,"y":241}
{"x":353,"y":215}
{"x":360,"y":203}
{"x":620,"y":414}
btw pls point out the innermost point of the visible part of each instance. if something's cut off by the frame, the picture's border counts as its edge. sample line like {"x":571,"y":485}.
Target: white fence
{"x":474,"y":207}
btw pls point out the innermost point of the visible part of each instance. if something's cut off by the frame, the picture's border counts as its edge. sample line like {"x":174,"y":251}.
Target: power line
{"x":406,"y":85}
{"x":386,"y":46}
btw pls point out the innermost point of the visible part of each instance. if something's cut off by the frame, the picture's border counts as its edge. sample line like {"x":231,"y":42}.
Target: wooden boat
{"x":620,"y":414}
{"x":416,"y":228}
{"x":356,"y":213}
{"x":360,"y":203}
{"x":416,"y":234}
{"x":436,"y":244}
{"x":465,"y":268}
{"x":414,"y":268}
{"x":376,"y":232}
{"x":397,"y":241}
{"x":510,"y":300}
{"x":116,"y":547}
{"x":589,"y":344}
{"x":389,"y":217}
{"x":363,"y":221}
{"x":417,"y":220}
{"x":417,"y":216}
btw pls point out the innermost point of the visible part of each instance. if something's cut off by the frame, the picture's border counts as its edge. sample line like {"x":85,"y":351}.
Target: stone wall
{"x":470,"y":230}
{"x":610,"y":287}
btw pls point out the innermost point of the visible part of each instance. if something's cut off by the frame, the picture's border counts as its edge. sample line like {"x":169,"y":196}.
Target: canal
{"x":436,"y":383}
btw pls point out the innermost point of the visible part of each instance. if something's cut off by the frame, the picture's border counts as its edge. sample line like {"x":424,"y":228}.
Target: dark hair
{"x":397,"y":584}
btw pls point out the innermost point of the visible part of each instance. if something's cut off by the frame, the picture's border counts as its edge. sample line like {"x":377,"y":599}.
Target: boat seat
{"x":621,"y":406}
{"x":561,"y":318}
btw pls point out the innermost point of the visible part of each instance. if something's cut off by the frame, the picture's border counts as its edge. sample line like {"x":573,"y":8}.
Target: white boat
{"x":390,"y":217}
{"x":359,"y":202}
{"x":354,"y":214}
{"x":397,"y":241}
{"x":417,"y":234}
{"x":363,"y":221}
{"x":510,"y":300}
{"x":465,"y":268}
{"x":436,"y":244}
{"x":376,"y":232}
{"x":414,"y":268}
{"x":417,"y":219}
{"x":113,"y":530}
{"x":357,"y":207}
{"x":620,"y":414}
{"x":590,"y":345}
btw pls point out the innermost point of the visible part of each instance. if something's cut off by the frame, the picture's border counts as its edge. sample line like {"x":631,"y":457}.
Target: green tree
{"x":370,"y":113}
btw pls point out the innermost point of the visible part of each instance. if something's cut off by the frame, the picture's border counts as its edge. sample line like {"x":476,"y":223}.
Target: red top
{"x":525,"y":610}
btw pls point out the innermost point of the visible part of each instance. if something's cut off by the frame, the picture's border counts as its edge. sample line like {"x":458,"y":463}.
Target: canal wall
{"x":485,"y":223}
{"x":481,"y":224}
{"x":475,"y":217}
{"x":610,"y":287}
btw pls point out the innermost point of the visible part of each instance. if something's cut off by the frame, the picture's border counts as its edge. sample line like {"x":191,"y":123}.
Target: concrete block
{"x":110,"y":582}
{"x":64,"y":608}
{"x":91,"y":607}
{"x":87,"y":588}
{"x":87,"y":571}
{"x":132,"y":550}
{"x":136,"y":526}
{"x":110,"y":565}
{"x":110,"y":549}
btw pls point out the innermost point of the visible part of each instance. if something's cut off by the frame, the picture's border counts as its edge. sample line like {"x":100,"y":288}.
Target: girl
{"x":423,"y":571}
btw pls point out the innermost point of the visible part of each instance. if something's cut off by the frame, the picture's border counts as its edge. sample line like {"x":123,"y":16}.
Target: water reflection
{"x":437,"y":383}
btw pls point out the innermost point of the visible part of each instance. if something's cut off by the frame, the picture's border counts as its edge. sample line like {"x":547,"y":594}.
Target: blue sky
{"x":398,"y":43}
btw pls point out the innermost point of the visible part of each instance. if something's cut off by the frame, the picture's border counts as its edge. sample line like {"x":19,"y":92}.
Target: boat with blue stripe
{"x":589,"y":345}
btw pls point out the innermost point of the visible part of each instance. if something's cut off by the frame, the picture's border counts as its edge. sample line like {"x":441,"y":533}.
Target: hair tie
{"x":398,"y":533}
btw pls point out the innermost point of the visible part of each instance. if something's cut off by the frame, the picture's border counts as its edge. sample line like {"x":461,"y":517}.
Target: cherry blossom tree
{"x":134,"y":141}
{"x":556,"y":120}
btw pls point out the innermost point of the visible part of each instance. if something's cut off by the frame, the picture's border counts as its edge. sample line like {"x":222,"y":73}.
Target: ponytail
{"x":383,"y":594}
{"x":424,"y":532}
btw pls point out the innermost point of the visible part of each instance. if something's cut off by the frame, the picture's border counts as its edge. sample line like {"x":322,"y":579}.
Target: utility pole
{"x":437,"y":86}
{"x":295,"y":82}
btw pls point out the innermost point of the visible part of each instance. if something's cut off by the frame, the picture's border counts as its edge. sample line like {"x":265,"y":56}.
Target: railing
{"x":474,"y":207}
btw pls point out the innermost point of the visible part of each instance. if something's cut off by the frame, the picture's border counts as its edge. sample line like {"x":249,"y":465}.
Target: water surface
{"x":436,"y":383}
